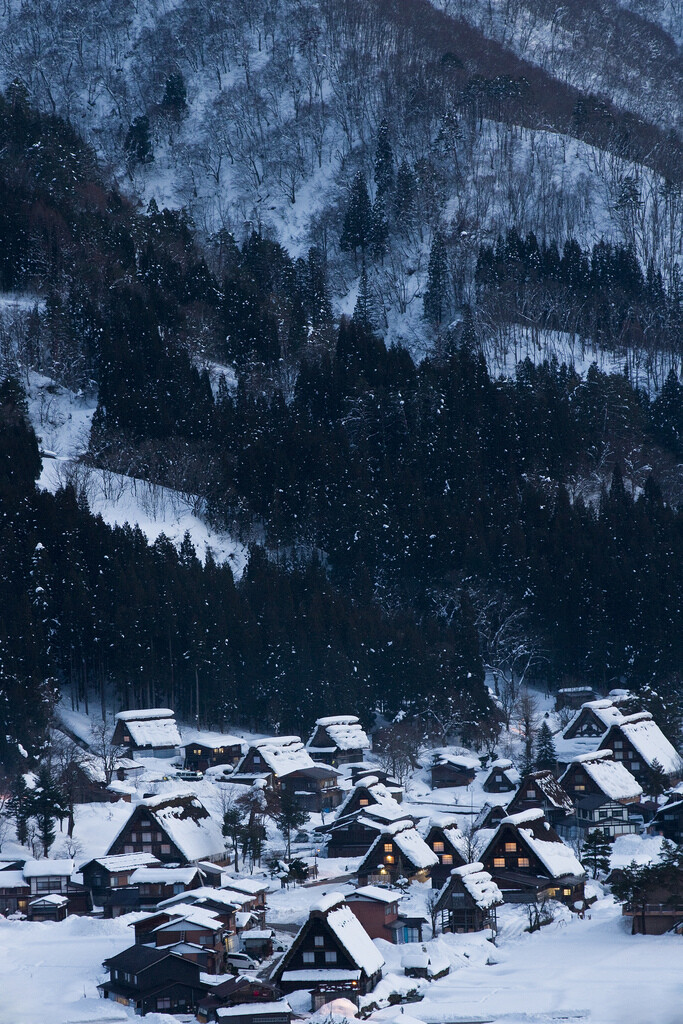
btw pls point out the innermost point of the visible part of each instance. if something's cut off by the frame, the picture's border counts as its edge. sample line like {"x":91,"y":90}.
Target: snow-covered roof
{"x":612,"y":777}
{"x":248,"y":1009}
{"x":154,"y":732}
{"x":215,"y":740}
{"x":603,"y":709}
{"x":345,"y":731}
{"x":650,"y":742}
{"x":327,"y":901}
{"x":144,"y":714}
{"x":163,"y":876}
{"x":243,"y":919}
{"x":458,"y":760}
{"x":373,"y":892}
{"x":506,"y":768}
{"x":253,"y":886}
{"x":384,"y":804}
{"x":124,"y":861}
{"x":201,"y":895}
{"x":12,"y":880}
{"x":542,"y":839}
{"x":433,"y":962}
{"x":54,"y":898}
{"x":192,"y":915}
{"x":411,"y":844}
{"x":479,"y":885}
{"x":350,"y":933}
{"x":187,"y":823}
{"x":284,"y":754}
{"x":551,"y":789}
{"x":41,"y":868}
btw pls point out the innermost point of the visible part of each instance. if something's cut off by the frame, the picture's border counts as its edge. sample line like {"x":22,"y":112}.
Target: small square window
{"x":308,"y":958}
{"x":499,"y":862}
{"x":364,"y":801}
{"x":388,"y":847}
{"x":319,"y":940}
{"x":438,"y":847}
{"x":388,"y":859}
{"x":447,"y":858}
{"x":511,"y":847}
{"x":522,"y":862}
{"x":331,"y":958}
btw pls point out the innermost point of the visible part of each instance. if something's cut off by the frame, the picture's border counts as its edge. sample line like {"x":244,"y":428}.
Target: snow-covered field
{"x":582,"y":970}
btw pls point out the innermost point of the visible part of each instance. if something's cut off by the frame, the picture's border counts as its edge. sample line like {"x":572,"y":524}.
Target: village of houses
{"x":455,"y":893}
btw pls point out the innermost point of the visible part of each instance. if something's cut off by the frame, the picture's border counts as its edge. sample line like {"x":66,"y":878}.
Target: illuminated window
{"x":388,"y":859}
{"x":319,"y":940}
{"x":388,"y":847}
{"x":499,"y":862}
{"x":438,"y":847}
{"x":364,"y":802}
{"x":510,"y":847}
{"x":553,"y":892}
{"x":522,"y":862}
{"x":566,"y":892}
{"x":579,"y":789}
{"x":447,"y":858}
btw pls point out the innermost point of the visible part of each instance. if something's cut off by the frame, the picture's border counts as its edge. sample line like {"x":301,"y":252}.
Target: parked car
{"x":241,"y":962}
{"x":189,"y":776}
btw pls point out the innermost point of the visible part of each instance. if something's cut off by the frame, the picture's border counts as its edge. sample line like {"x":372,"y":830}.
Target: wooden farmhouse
{"x":398,"y":852}
{"x":601,"y":790}
{"x":103,"y":874}
{"x":637,"y":741}
{"x":529,"y":862}
{"x":354,"y":834}
{"x":148,"y":979}
{"x":205,"y":749}
{"x":573,"y":696}
{"x":490,"y":816}
{"x":15,"y":892}
{"x":243,"y":992}
{"x":240,"y":911}
{"x":54,"y":878}
{"x":362,"y":771}
{"x":378,"y":911}
{"x":331,"y":955}
{"x":503,"y":777}
{"x":284,"y":764}
{"x":339,"y":739}
{"x":450,"y":846}
{"x":593,"y":719}
{"x":174,"y":827}
{"x":147,"y":732}
{"x":662,"y":910}
{"x":370,"y":794}
{"x":468,"y":899}
{"x":541,"y":789}
{"x":454,"y":770}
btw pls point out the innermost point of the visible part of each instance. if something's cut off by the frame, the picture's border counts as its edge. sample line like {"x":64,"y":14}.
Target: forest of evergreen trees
{"x":385,"y":491}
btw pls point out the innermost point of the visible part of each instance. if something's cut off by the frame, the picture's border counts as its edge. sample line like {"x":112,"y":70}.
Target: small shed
{"x":52,"y":907}
{"x":502,"y":778}
{"x":422,"y":964}
{"x":338,"y":739}
{"x":454,"y":770}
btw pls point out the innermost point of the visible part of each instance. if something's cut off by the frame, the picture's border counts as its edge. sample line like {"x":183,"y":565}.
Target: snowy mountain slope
{"x":62,"y":421}
{"x":276,"y":106}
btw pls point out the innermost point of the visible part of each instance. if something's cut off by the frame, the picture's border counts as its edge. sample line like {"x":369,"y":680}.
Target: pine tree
{"x":290,"y":817}
{"x":138,"y":142}
{"x":657,"y":780}
{"x":47,"y":807}
{"x":233,"y":825}
{"x":364,"y":315}
{"x":357,"y":231}
{"x":546,"y":755}
{"x":435,"y":299}
{"x":380,"y":227}
{"x":21,"y":808}
{"x":595,"y":851}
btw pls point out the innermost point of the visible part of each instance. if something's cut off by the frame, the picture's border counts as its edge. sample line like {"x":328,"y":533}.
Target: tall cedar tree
{"x":546,"y":755}
{"x":436,"y":294}
{"x":357,"y":230}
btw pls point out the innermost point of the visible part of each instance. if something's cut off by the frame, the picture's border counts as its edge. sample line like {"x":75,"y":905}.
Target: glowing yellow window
{"x":438,"y":847}
{"x":388,"y":859}
{"x":579,"y":789}
{"x":388,"y":847}
{"x":364,"y":802}
{"x":522,"y":862}
{"x":499,"y":862}
{"x":447,"y":858}
{"x":566,"y":892}
{"x":510,"y":847}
